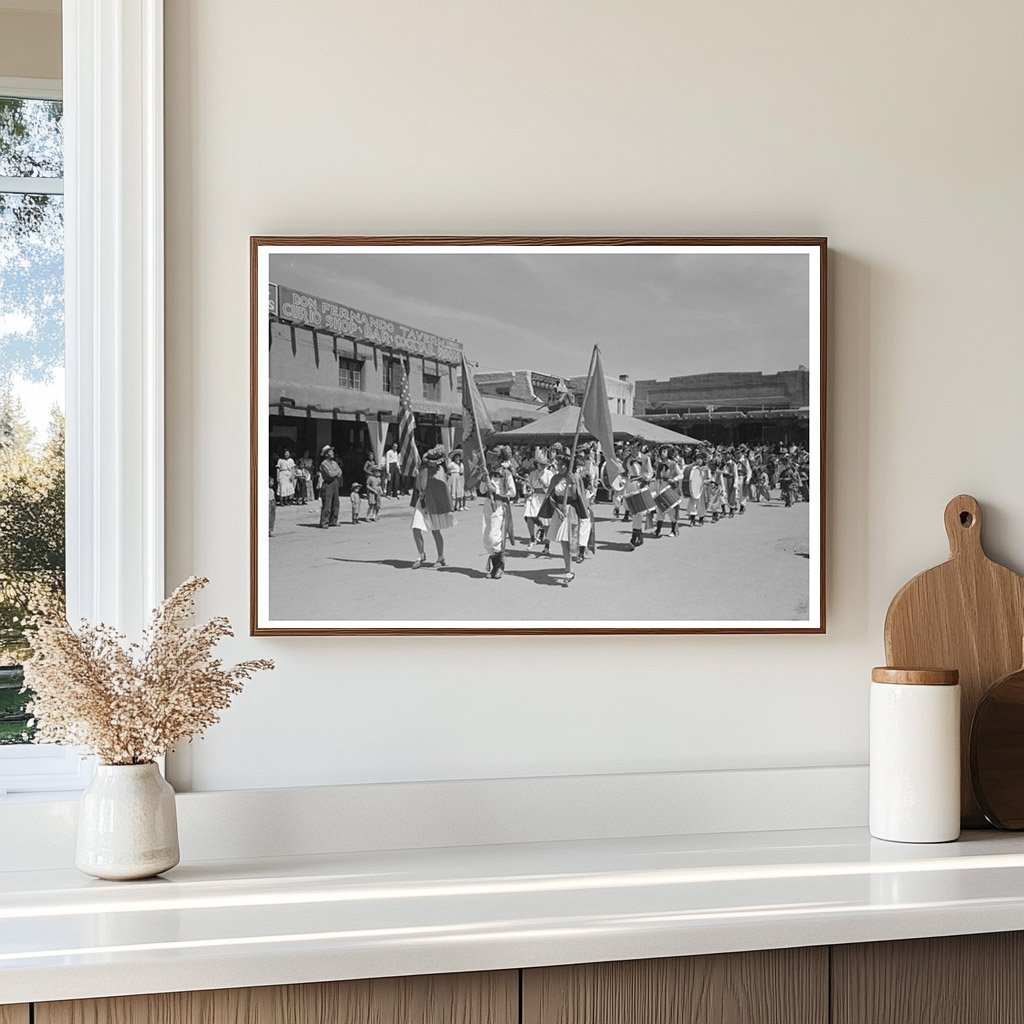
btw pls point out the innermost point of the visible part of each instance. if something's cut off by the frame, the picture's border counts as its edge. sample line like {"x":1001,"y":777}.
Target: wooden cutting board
{"x":967,"y":614}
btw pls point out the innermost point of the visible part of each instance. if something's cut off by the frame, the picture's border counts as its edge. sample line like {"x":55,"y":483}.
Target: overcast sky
{"x":654,"y":316}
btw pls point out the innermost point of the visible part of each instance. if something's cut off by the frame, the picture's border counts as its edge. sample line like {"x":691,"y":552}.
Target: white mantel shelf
{"x":228,"y":924}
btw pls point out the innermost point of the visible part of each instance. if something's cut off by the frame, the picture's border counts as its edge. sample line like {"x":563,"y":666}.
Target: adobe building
{"x":621,"y":392}
{"x":332,"y":381}
{"x":731,"y":408}
{"x":545,"y":389}
{"x":529,"y":386}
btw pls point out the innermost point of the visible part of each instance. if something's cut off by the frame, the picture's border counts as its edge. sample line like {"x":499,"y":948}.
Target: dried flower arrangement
{"x":128,"y":704}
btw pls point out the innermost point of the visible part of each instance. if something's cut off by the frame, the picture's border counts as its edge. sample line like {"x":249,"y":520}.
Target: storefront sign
{"x":338,"y":319}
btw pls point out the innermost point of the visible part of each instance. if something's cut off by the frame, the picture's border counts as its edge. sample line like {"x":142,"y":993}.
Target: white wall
{"x":894,"y":129}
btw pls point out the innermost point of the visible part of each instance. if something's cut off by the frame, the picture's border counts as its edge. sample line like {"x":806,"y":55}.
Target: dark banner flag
{"x":597,"y":417}
{"x":476,"y":429}
{"x":407,"y":451}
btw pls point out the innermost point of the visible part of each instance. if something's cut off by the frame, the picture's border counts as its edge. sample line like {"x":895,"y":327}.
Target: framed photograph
{"x":537,"y":435}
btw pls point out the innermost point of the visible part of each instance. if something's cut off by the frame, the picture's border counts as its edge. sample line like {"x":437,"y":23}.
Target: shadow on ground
{"x":395,"y":563}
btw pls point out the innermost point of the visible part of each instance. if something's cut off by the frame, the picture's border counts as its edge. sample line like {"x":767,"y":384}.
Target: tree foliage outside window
{"x":31,"y":354}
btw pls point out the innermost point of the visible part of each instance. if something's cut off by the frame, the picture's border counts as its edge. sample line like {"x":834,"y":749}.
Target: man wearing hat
{"x":330,"y":488}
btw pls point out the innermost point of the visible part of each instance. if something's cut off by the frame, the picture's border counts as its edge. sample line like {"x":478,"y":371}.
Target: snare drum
{"x":667,"y":499}
{"x":640,"y":502}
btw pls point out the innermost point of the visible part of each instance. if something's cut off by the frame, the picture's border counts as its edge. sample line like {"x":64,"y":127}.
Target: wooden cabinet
{"x":780,"y":986}
{"x":972,"y":979}
{"x":964,"y":979}
{"x":491,"y":998}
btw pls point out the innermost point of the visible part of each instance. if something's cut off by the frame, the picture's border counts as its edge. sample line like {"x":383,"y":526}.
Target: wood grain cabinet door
{"x":14,"y":1014}
{"x":491,"y":998}
{"x":963,"y":979}
{"x":780,"y":986}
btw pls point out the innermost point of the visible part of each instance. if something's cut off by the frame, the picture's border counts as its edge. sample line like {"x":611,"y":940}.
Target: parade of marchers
{"x":542,"y":497}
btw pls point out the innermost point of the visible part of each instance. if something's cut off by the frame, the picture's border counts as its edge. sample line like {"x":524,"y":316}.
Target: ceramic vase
{"x":127,"y":824}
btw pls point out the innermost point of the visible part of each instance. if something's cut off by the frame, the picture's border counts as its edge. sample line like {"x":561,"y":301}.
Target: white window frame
{"x":354,"y":369}
{"x":114,"y":335}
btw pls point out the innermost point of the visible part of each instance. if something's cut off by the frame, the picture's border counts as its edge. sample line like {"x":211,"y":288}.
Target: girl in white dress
{"x":285,"y":478}
{"x":457,"y":481}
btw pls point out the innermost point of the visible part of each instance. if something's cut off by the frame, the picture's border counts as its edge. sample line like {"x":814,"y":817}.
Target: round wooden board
{"x":997,"y":752}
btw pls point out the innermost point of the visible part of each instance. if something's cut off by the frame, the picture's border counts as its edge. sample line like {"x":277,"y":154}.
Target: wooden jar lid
{"x":916,"y":676}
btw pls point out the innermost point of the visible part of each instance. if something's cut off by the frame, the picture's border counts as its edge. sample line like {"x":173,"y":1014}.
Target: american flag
{"x":407,"y":424}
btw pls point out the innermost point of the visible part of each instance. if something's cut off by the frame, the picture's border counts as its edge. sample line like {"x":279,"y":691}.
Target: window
{"x":350,"y":374}
{"x":112,"y":342}
{"x":392,"y":380}
{"x":432,"y":387}
{"x":32,"y":550}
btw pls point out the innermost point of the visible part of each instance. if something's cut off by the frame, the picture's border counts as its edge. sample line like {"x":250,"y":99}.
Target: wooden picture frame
{"x":314,"y":568}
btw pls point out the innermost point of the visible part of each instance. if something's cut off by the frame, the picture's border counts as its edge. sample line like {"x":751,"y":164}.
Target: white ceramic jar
{"x":127,"y":823}
{"x":915,"y":755}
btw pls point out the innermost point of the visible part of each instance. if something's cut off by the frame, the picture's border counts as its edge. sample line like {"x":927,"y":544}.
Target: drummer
{"x":635,"y":484}
{"x":647,"y":472}
{"x":668,"y":491}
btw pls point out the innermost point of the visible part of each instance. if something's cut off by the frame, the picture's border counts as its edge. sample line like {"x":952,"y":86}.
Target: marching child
{"x":635,"y":484}
{"x":669,"y":476}
{"x":787,"y":482}
{"x":497,"y":513}
{"x":761,"y":492}
{"x":713,"y":487}
{"x":537,"y":480}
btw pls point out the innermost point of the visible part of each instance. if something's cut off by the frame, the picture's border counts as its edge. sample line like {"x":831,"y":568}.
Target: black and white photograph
{"x":542,"y":435}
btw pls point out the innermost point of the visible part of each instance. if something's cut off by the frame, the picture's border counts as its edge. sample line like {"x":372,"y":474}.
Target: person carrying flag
{"x":492,"y":474}
{"x":497,"y":520}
